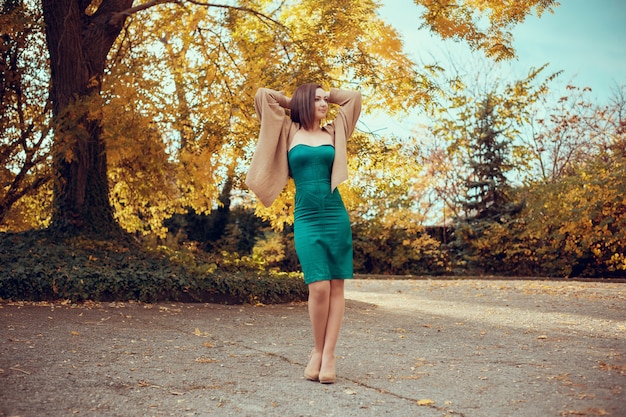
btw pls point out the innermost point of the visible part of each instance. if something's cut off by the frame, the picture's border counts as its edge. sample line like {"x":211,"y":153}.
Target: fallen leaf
{"x":200,"y":333}
{"x":587,"y":412}
{"x":425,"y":403}
{"x":607,"y":367}
{"x":205,"y":360}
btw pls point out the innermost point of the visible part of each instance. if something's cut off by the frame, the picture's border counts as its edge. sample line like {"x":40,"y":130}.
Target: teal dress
{"x":322,"y":233}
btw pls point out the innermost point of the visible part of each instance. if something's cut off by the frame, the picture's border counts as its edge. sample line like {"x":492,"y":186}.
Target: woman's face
{"x":321,"y":104}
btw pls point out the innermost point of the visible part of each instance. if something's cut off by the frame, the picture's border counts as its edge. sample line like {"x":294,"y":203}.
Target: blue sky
{"x":585,"y":38}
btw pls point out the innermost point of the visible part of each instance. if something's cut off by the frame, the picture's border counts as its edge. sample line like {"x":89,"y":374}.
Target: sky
{"x":584,"y":38}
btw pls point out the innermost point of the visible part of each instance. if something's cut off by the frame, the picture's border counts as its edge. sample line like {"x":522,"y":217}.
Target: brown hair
{"x":302,"y":105}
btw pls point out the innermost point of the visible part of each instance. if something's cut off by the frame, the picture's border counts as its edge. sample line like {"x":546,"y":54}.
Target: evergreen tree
{"x":488,"y":201}
{"x":487,"y":195}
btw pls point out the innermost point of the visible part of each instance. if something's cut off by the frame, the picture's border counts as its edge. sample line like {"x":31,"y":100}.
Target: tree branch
{"x":116,"y":18}
{"x":256,"y":13}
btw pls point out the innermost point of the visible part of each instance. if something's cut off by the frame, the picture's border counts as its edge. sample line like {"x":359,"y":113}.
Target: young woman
{"x":314,"y":154}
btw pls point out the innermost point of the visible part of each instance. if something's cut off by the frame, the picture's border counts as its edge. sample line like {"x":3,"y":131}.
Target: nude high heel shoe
{"x":312,"y":373}
{"x":328,"y":377}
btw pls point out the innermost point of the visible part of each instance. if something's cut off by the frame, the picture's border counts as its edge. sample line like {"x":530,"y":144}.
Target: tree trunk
{"x":78,"y":44}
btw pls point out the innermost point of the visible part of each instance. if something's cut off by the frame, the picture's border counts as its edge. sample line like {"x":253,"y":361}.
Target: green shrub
{"x":36,"y":266}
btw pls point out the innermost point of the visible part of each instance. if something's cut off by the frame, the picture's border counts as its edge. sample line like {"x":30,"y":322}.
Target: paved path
{"x":408,"y":348}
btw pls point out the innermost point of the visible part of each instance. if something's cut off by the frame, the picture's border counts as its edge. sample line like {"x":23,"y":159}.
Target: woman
{"x":315,"y":156}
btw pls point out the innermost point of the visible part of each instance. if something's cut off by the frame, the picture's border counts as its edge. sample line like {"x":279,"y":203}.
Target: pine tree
{"x":487,"y":186}
{"x":488,"y":202}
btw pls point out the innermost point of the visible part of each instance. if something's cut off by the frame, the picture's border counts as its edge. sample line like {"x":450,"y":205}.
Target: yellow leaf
{"x":425,"y":403}
{"x":200,"y":333}
{"x":205,"y":360}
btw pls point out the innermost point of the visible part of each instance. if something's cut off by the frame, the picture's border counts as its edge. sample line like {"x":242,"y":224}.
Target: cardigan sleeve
{"x":269,"y":170}
{"x":341,"y":129}
{"x":349,"y":112}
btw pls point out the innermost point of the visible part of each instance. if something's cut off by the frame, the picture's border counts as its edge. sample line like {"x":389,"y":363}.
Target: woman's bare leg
{"x":319,"y":308}
{"x":336,"y":310}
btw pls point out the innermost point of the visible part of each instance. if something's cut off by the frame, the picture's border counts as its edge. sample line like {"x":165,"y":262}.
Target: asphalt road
{"x":408,"y":348}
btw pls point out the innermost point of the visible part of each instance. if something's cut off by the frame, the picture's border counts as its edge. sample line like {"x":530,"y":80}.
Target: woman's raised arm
{"x":269,"y":172}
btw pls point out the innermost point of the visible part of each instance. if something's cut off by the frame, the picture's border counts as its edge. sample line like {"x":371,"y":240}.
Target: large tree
{"x":79,"y":37}
{"x":305,"y":34}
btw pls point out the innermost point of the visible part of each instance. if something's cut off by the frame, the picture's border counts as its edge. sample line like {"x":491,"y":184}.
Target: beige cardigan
{"x":269,"y":170}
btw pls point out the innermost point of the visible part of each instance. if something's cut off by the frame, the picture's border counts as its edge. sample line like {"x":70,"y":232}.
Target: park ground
{"x":423,"y":347}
